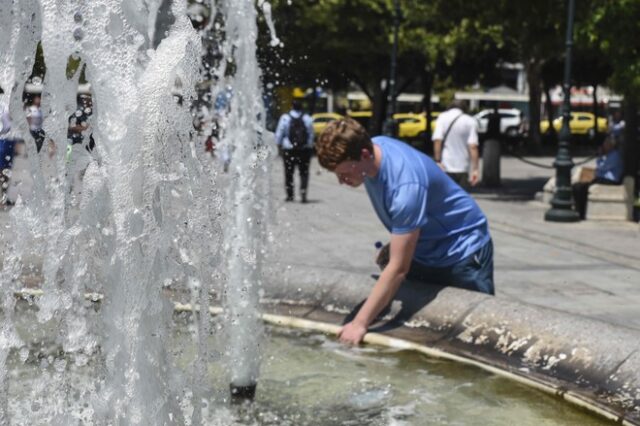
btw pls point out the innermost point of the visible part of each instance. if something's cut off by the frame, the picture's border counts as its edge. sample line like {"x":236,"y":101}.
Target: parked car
{"x":581,"y":124}
{"x":510,"y":121}
{"x":411,"y":125}
{"x":321,"y":119}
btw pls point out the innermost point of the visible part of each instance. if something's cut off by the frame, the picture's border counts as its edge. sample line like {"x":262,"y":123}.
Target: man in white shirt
{"x":34,"y":118}
{"x":455,"y":145}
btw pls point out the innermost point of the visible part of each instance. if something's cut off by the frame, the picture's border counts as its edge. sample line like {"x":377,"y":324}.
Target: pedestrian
{"x":439,"y":235}
{"x":80,"y":143}
{"x":7,"y":147}
{"x":34,"y":118}
{"x":616,"y":128}
{"x":294,"y":136}
{"x":608,"y":171}
{"x":79,"y":124}
{"x":222,"y":110}
{"x":455,"y":145}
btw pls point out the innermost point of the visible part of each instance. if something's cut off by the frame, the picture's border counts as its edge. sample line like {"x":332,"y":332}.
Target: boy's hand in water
{"x":352,"y":333}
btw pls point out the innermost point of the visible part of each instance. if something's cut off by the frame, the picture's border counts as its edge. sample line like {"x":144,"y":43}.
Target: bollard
{"x":242,"y":393}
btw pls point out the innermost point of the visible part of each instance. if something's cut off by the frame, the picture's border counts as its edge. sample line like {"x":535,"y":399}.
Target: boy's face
{"x":352,"y":172}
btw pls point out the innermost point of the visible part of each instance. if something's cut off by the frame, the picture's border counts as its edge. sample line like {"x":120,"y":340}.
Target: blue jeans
{"x":6,"y":153}
{"x":473,"y":273}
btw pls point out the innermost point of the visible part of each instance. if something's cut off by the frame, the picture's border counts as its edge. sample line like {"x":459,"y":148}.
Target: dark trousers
{"x":300,"y":158}
{"x":38,"y":136}
{"x":581,"y":194}
{"x":461,"y":179}
{"x":473,"y":273}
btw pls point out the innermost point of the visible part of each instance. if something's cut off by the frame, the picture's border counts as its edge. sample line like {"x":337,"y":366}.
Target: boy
{"x":439,"y":235}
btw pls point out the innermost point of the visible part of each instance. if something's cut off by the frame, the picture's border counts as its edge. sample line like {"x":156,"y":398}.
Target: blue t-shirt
{"x":609,"y":166}
{"x":411,"y":192}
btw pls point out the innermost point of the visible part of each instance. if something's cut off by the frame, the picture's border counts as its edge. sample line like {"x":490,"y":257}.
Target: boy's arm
{"x":402,"y":248}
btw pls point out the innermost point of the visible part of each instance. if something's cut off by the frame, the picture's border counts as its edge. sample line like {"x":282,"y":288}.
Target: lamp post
{"x":562,"y":201}
{"x":390,"y":127}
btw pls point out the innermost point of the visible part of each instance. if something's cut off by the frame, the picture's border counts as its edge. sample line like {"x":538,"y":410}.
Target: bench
{"x":611,"y":202}
{"x":605,"y":202}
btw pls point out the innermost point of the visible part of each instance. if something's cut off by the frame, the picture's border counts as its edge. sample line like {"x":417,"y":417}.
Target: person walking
{"x":7,"y":146}
{"x":294,"y":137}
{"x":455,"y":145}
{"x":34,"y":118}
{"x":439,"y":235}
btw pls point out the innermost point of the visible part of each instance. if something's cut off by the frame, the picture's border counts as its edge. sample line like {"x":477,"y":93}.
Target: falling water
{"x":246,"y":124}
{"x":148,"y":215}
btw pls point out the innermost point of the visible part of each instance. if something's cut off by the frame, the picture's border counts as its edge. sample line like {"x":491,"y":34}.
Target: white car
{"x":510,"y":120}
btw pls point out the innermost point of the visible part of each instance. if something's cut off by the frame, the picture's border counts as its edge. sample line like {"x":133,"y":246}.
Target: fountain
{"x":149,"y":214}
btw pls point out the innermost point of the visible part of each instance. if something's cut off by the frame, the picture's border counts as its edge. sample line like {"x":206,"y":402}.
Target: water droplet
{"x":78,"y":34}
{"x":24,"y":354}
{"x":60,"y":365}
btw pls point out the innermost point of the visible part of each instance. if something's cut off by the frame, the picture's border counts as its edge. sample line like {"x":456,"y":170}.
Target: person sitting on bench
{"x":608,"y":172}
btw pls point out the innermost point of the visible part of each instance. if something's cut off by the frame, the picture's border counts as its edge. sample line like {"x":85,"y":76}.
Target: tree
{"x":331,"y":43}
{"x":614,"y":28}
{"x":591,"y":68}
{"x":337,"y":42}
{"x":532,"y":33}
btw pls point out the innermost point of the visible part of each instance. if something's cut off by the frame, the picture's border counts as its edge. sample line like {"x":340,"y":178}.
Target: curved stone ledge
{"x":582,"y":359}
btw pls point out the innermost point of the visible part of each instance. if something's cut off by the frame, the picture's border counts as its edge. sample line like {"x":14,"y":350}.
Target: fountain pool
{"x":307,"y":378}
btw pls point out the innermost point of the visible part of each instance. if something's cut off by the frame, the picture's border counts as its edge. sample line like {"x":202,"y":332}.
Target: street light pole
{"x":562,"y":201}
{"x":390,"y":125}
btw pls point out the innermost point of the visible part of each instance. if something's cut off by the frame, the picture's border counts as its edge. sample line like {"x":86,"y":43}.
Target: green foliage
{"x":454,"y":42}
{"x":614,"y":29}
{"x":330,"y":41}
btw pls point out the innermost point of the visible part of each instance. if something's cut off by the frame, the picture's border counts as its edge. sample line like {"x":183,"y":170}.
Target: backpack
{"x":298,"y":132}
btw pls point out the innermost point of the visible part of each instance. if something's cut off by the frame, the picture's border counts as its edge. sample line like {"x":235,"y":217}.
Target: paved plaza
{"x":588,"y":268}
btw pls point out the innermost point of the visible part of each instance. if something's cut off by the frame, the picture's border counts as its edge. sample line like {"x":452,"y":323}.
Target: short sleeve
{"x":473,"y":132}
{"x":280,"y":129}
{"x":308,"y":122}
{"x":438,"y":132}
{"x":408,"y":208}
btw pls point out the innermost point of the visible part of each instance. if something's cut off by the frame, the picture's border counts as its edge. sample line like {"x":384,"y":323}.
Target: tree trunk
{"x":313,"y":101}
{"x":379,"y":109}
{"x":427,"y":87}
{"x":534,"y":68}
{"x":595,"y":111}
{"x":631,"y":147}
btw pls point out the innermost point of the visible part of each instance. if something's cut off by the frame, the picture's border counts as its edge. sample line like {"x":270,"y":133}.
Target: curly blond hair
{"x":342,"y":140}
